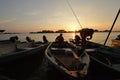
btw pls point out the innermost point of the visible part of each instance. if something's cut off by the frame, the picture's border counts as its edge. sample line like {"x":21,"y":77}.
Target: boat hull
{"x":100,"y":69}
{"x":61,"y":61}
{"x":22,"y":62}
{"x":104,"y":60}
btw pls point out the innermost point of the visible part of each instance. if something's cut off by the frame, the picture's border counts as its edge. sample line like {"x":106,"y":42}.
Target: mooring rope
{"x":74,"y":13}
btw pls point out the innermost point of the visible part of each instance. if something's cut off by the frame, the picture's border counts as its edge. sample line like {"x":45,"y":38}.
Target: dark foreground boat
{"x":65,"y":59}
{"x":18,"y":59}
{"x":104,"y":60}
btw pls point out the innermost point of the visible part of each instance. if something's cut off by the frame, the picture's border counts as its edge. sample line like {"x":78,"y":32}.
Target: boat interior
{"x":7,"y":48}
{"x":65,"y":57}
{"x":105,"y":57}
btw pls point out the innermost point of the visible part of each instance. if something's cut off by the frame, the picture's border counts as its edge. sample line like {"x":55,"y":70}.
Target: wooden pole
{"x":112,"y":26}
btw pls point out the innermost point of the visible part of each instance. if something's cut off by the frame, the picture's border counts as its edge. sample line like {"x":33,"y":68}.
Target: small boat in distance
{"x":65,"y":59}
{"x":116,"y":42}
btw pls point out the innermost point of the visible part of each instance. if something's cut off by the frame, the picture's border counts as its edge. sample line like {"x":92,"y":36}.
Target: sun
{"x":74,"y":28}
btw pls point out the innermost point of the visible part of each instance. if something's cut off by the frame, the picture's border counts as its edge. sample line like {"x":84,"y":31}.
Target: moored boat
{"x":65,"y":59}
{"x":14,"y":60}
{"x":104,"y":60}
{"x":115,"y":43}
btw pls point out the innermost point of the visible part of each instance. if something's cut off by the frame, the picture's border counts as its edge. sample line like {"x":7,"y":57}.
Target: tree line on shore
{"x":51,"y":31}
{"x":64,"y":31}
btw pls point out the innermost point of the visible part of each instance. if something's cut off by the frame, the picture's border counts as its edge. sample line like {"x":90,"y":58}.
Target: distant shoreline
{"x":65,"y":32}
{"x":50,"y":32}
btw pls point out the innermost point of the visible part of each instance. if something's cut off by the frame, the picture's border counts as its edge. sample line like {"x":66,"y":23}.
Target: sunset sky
{"x":37,"y":15}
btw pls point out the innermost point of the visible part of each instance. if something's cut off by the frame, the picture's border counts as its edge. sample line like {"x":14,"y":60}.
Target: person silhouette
{"x":29,"y":39}
{"x":60,"y":38}
{"x":45,"y":39}
{"x":77,"y":39}
{"x":14,"y":39}
{"x":84,"y":33}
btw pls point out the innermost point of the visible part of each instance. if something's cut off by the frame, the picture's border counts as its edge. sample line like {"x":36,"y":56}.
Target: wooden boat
{"x":116,"y":43}
{"x":105,"y":60}
{"x":12,"y":59}
{"x":66,"y":60}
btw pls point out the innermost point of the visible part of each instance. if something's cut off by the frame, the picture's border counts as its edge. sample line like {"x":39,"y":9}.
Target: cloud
{"x":7,"y":20}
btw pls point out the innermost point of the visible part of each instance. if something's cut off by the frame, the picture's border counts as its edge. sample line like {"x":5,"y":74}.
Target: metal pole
{"x":112,"y":26}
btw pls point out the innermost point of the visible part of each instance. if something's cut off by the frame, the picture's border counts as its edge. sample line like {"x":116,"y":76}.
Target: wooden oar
{"x":74,"y":54}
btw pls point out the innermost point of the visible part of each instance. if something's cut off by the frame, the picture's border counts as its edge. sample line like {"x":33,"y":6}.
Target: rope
{"x":74,"y":13}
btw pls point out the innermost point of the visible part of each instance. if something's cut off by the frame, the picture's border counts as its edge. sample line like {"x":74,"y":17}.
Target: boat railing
{"x":61,"y":51}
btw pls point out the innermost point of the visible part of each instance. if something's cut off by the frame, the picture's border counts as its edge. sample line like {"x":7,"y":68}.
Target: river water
{"x":98,"y":37}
